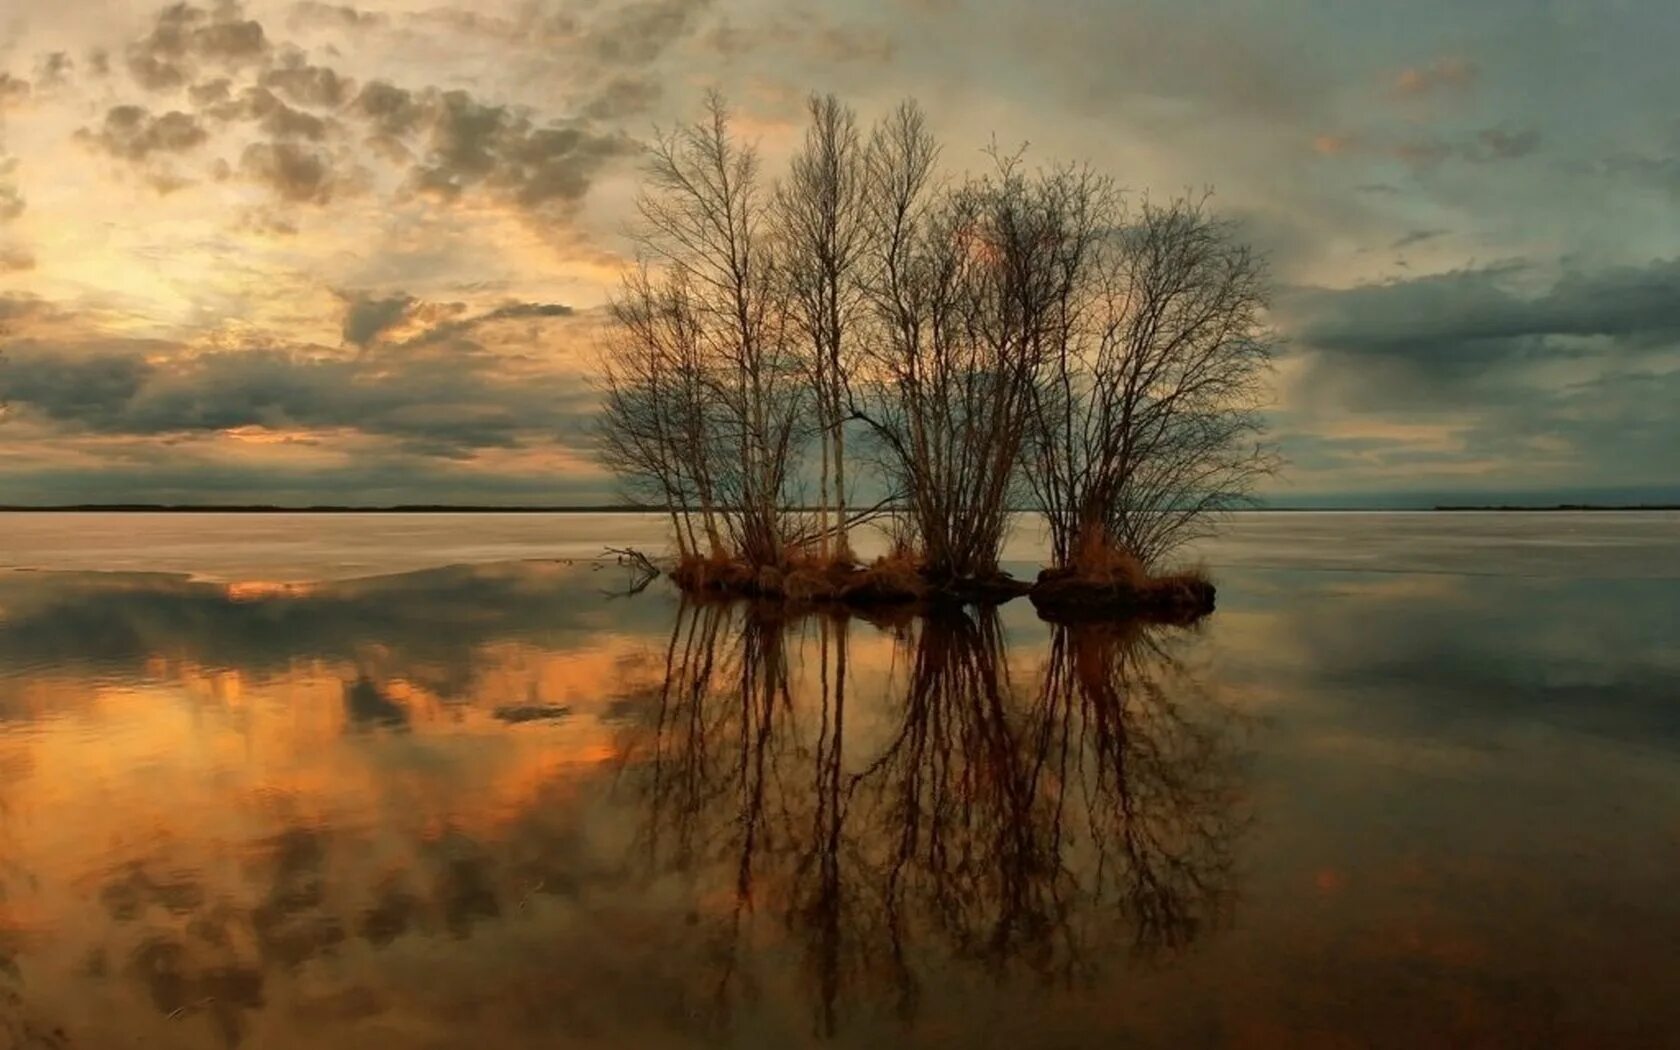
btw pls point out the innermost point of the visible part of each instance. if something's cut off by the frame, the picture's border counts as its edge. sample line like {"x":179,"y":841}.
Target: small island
{"x":970,"y":343}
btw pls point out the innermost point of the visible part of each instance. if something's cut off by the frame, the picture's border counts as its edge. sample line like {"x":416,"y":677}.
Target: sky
{"x":309,"y":253}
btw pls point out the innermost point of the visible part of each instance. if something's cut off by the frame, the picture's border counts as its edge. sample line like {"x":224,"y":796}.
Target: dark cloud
{"x":13,"y":91}
{"x":623,"y":96}
{"x":216,"y":92}
{"x":185,"y":36}
{"x":368,"y":316}
{"x":436,"y":392}
{"x":392,"y":110}
{"x":235,"y":42}
{"x":1422,"y":153}
{"x":812,"y":36}
{"x":295,"y":173}
{"x":1473,"y":338}
{"x":445,"y":143}
{"x":269,"y":221}
{"x":72,"y":388}
{"x":334,"y":16}
{"x":133,"y":133}
{"x":466,"y":144}
{"x":1448,"y":315}
{"x":639,"y":32}
{"x":1416,"y":237}
{"x":308,"y":85}
{"x":850,"y":44}
{"x":1653,"y":170}
{"x":456,"y":328}
{"x":54,"y":68}
{"x":1498,"y":144}
{"x":276,"y":119}
{"x":1489,"y":145}
{"x":22,"y":306}
{"x":445,"y":404}
{"x":12,"y":203}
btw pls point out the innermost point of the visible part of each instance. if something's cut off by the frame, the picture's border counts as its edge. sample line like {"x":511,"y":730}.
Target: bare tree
{"x":964,"y":287}
{"x":1014,"y":318}
{"x":656,"y":429}
{"x":821,"y":219}
{"x":1148,"y":422}
{"x":704,"y":215}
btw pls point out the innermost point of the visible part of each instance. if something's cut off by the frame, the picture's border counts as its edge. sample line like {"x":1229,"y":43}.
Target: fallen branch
{"x":643,"y":568}
{"x":853,"y":520}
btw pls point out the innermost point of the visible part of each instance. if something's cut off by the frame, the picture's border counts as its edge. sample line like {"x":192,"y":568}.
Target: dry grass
{"x":808,"y":579}
{"x":1104,"y":580}
{"x":1100,"y":559}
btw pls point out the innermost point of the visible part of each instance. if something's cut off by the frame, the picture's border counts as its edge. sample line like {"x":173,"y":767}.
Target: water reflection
{"x":1033,"y":832}
{"x":272,"y":788}
{"x":492,"y":805}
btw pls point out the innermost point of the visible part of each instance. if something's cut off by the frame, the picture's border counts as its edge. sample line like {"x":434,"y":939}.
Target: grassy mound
{"x":1105,"y":583}
{"x":893,"y":579}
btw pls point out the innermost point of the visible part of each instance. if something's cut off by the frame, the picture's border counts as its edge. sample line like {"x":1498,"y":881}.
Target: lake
{"x":439,"y":780}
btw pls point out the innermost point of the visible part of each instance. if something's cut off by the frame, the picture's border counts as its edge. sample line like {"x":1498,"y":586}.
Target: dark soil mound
{"x":1065,"y":596}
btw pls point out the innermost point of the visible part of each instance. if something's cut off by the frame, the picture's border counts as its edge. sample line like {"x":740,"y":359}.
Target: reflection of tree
{"x":1149,"y":772}
{"x":715,"y":752}
{"x":1025,"y":833}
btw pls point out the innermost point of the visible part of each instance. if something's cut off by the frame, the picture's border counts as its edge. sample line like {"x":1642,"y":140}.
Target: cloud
{"x":185,"y":36}
{"x":308,"y":85}
{"x":1474,"y":337}
{"x":12,"y":203}
{"x":1334,"y":145}
{"x":457,"y":143}
{"x":811,"y":36}
{"x":294,"y":173}
{"x":466,"y":143}
{"x":1493,"y":144}
{"x":14,"y":259}
{"x":133,"y":133}
{"x":456,"y":328}
{"x":446,"y":404}
{"x":1444,"y":75}
{"x":272,"y":116}
{"x":444,"y":144}
{"x":215,"y":92}
{"x":368,"y":317}
{"x":1538,"y":386}
{"x":1489,"y":145}
{"x":54,"y":69}
{"x":392,"y":110}
{"x":13,"y":92}
{"x":407,"y":321}
{"x":623,"y":96}
{"x":638,"y":32}
{"x":21,"y":306}
{"x":334,"y":16}
{"x":1651,"y":170}
{"x":1443,"y":314}
{"x":1416,"y":237}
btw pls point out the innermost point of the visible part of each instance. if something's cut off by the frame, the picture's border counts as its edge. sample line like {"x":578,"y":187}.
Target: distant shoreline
{"x":438,"y":508}
{"x":1559,"y":507}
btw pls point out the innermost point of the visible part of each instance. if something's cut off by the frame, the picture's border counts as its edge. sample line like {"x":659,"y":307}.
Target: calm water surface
{"x":386,"y":781}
